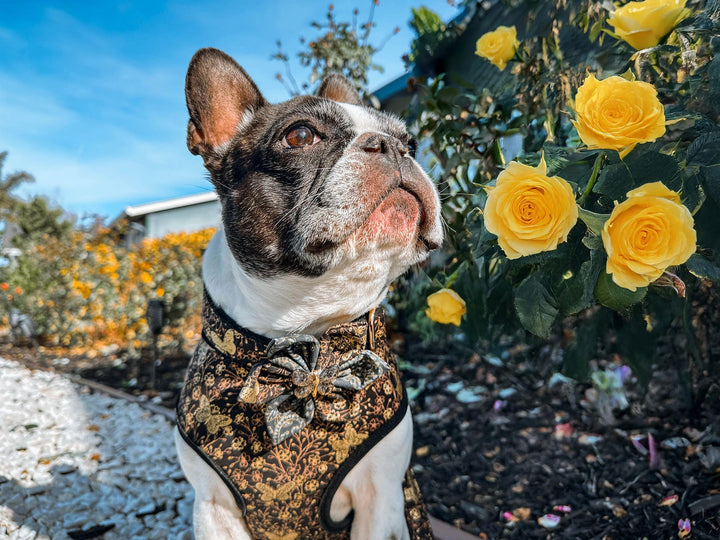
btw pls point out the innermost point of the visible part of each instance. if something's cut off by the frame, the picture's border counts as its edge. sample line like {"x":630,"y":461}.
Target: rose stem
{"x":593,"y":178}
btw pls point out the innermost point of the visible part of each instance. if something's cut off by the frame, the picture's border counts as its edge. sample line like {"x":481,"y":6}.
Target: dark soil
{"x":475,"y":464}
{"x":494,"y":472}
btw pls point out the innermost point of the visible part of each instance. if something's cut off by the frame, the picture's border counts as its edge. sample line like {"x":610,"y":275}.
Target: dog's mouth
{"x":399,"y":216}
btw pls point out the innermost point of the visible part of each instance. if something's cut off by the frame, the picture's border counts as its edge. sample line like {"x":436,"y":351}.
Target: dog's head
{"x":311,"y":184}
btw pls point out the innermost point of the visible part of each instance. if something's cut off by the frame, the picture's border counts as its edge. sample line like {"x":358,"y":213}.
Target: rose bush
{"x":498,"y":46}
{"x":635,"y":138}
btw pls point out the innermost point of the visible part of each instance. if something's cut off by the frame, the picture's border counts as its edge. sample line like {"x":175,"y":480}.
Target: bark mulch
{"x":497,"y":447}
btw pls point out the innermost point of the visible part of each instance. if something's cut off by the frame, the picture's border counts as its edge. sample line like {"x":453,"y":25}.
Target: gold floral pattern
{"x":282,"y":485}
{"x":296,"y":384}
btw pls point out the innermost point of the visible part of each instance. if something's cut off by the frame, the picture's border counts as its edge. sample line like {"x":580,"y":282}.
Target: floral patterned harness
{"x":283,"y":421}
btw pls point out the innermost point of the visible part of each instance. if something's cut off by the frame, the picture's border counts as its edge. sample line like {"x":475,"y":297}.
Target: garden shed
{"x":182,"y":214}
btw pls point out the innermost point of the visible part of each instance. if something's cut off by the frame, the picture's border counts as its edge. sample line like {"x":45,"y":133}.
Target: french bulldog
{"x":323,"y":206}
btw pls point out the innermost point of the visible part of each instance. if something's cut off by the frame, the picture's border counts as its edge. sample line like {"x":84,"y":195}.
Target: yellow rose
{"x":617,"y":114}
{"x":498,"y":46}
{"x":645,"y":234}
{"x":644,"y":24}
{"x":529,"y":211}
{"x":445,"y":307}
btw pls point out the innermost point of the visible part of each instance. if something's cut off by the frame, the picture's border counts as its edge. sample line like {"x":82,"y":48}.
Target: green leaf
{"x":535,"y":306}
{"x":700,"y":267}
{"x":637,"y":345}
{"x":653,"y":166}
{"x":576,"y":360}
{"x":692,"y":193}
{"x":628,"y":75}
{"x":592,"y":241}
{"x":705,"y":150}
{"x":594,"y":222}
{"x":711,"y":181}
{"x":574,"y":292}
{"x":614,"y":181}
{"x":611,"y":295}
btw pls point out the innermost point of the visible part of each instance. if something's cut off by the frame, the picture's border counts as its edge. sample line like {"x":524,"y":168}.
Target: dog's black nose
{"x":378,"y":143}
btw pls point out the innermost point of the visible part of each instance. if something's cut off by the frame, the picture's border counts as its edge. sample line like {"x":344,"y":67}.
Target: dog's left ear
{"x":338,"y":88}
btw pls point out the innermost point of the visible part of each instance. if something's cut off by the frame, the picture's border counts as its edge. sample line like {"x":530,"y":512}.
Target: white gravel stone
{"x":73,"y":459}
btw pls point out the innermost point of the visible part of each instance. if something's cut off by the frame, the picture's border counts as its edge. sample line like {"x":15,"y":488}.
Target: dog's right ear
{"x":219,"y":95}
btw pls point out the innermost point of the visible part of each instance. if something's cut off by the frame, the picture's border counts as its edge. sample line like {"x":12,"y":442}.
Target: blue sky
{"x":91,"y":93}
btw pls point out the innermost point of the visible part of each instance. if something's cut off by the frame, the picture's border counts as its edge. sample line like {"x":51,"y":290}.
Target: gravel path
{"x":74,"y":463}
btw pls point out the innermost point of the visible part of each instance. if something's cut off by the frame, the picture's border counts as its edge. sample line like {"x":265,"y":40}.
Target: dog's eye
{"x":299,"y":137}
{"x":412,"y":147}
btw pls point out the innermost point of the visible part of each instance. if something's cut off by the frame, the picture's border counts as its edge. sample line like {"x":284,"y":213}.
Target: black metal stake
{"x":155,"y":317}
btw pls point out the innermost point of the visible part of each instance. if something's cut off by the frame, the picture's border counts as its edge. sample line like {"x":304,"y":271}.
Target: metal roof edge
{"x":169,"y":204}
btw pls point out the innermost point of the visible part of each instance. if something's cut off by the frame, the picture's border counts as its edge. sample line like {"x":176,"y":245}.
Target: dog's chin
{"x":393,"y":229}
{"x":394,"y":222}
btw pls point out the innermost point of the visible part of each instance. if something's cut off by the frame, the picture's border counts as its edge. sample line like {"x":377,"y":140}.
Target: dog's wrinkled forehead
{"x":364,"y":119}
{"x":341,"y":120}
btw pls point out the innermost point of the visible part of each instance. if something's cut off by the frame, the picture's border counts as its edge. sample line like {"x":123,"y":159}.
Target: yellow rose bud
{"x":645,"y":234}
{"x":445,"y":307}
{"x":617,"y":114}
{"x":529,"y":211}
{"x":498,"y":46}
{"x":644,"y":24}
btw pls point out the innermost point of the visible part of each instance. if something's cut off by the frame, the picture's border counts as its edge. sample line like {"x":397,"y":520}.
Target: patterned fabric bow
{"x":297,"y":383}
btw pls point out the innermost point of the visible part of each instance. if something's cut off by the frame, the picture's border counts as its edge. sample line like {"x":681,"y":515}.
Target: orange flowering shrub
{"x":88,"y":289}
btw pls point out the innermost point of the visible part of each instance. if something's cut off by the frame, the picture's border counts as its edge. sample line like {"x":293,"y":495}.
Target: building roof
{"x":169,"y":204}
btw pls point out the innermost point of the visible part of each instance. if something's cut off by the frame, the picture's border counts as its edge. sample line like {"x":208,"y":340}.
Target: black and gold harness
{"x":283,"y":421}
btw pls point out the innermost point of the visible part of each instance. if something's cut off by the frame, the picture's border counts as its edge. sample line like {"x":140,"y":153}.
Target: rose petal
{"x":684,"y":527}
{"x":669,"y":501}
{"x":562,"y":508}
{"x":635,"y":439}
{"x":549,"y":521}
{"x":654,"y":455}
{"x":563,"y":431}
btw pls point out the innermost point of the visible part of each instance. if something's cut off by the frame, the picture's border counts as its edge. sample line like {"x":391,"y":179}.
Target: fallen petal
{"x":669,"y":501}
{"x":623,"y":372}
{"x":549,"y":521}
{"x":684,"y":528}
{"x":510,"y":517}
{"x":654,"y":455}
{"x":566,"y":509}
{"x":468,"y":395}
{"x":563,"y":431}
{"x":506,"y":393}
{"x":499,"y":404}
{"x":559,"y":378}
{"x":674,"y":443}
{"x":589,"y":438}
{"x":635,"y":439}
{"x":494,"y":360}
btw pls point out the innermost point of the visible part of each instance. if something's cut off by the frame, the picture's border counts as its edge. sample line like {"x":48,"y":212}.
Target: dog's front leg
{"x":216,"y":516}
{"x":374,"y":488}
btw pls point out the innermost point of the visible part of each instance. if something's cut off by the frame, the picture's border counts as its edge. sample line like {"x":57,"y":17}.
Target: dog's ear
{"x":219,"y":94}
{"x":338,"y":88}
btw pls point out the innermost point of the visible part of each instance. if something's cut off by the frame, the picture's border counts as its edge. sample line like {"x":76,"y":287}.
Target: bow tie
{"x":301,"y":379}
